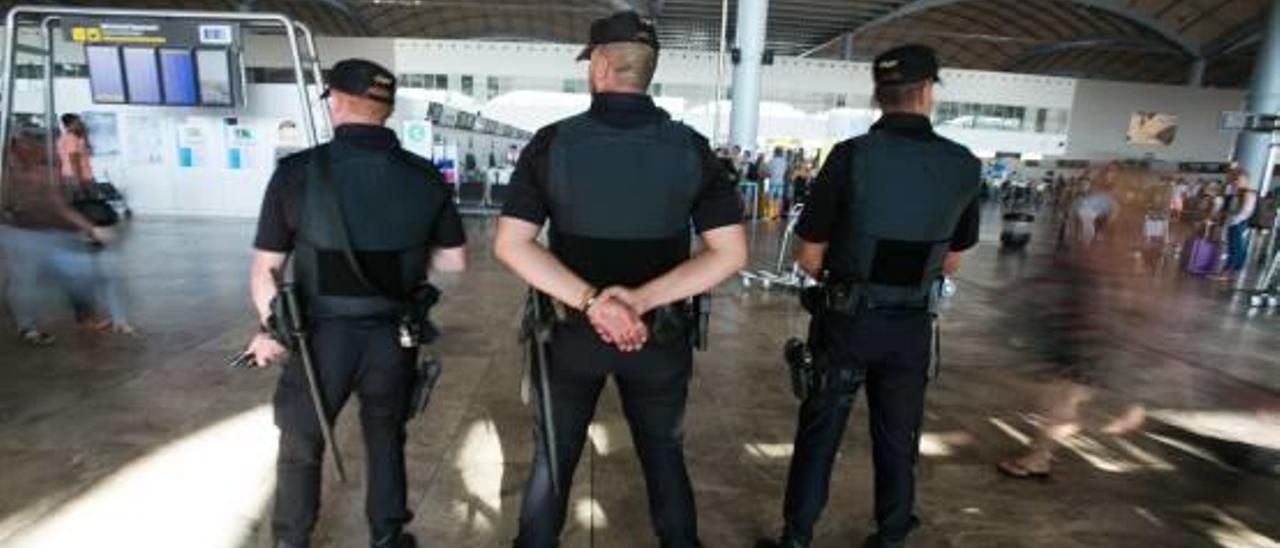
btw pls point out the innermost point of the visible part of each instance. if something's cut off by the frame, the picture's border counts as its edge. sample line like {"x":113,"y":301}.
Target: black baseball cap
{"x":905,"y":65}
{"x":624,"y":26}
{"x":362,"y":78}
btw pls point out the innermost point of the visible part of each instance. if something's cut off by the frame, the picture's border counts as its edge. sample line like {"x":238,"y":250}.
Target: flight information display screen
{"x":106,"y":75}
{"x":142,"y":76}
{"x":178,"y":74}
{"x":213,"y":66}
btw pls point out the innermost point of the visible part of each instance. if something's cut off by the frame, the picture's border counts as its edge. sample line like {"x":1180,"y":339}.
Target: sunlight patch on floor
{"x":479,"y":461}
{"x":206,"y":490}
{"x":770,"y":451}
{"x":1255,"y":428}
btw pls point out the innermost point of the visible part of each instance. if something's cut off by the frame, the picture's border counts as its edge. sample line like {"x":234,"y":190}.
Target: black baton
{"x":299,"y":334}
{"x":540,"y":337}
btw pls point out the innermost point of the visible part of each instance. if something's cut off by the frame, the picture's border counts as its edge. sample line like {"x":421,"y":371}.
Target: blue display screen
{"x":179,"y":76}
{"x":106,"y":76}
{"x":142,"y":75}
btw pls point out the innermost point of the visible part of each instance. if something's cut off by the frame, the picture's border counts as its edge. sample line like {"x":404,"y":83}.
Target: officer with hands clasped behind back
{"x":888,"y":215}
{"x":621,"y":185}
{"x":364,"y":221}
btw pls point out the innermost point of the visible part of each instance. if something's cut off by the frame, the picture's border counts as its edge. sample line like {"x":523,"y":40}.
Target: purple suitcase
{"x":1202,"y":257}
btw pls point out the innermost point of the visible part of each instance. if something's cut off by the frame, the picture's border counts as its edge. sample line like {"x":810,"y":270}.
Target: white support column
{"x":1253,"y":148}
{"x":753,"y":16}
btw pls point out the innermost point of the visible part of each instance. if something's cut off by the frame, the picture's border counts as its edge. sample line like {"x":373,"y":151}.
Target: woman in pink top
{"x":73,"y":152}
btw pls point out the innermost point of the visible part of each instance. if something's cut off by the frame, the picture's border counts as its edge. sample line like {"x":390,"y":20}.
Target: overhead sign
{"x":1249,"y":121}
{"x":154,"y":32}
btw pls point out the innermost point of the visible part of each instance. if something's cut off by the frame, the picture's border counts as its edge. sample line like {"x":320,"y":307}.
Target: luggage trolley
{"x":792,"y":277}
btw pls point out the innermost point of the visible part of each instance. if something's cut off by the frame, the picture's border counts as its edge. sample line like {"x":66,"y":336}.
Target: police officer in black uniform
{"x":621,"y":186}
{"x":889,"y":214}
{"x":400,"y":221}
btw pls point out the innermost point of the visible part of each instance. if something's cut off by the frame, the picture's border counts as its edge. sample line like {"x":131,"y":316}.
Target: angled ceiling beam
{"x":1181,"y":42}
{"x":1242,"y":35}
{"x":350,"y":13}
{"x":1137,"y":44}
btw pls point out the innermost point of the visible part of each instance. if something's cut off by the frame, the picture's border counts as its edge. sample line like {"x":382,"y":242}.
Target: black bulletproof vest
{"x":907,"y":197}
{"x":390,"y":209}
{"x":622,"y":192}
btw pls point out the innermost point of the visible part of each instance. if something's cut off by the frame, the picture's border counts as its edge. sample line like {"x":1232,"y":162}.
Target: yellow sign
{"x":78,"y":34}
{"x":93,"y":35}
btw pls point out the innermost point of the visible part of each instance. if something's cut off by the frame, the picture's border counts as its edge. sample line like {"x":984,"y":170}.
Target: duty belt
{"x":851,"y":298}
{"x":667,"y":323}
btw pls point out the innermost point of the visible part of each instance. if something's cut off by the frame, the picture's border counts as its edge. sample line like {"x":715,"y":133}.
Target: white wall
{"x":1100,"y":121}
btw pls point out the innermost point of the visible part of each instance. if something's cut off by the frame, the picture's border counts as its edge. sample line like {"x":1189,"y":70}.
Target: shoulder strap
{"x":320,"y":169}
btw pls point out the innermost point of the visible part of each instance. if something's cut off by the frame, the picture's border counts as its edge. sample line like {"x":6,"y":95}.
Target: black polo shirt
{"x":624,"y":262}
{"x":832,"y":185}
{"x":282,"y":204}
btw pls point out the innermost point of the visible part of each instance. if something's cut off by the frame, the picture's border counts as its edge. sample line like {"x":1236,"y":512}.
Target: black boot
{"x":876,"y":540}
{"x":783,"y":542}
{"x":398,"y":540}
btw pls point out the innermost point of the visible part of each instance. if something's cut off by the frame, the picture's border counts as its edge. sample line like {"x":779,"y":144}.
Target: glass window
{"x":468,"y":85}
{"x":442,"y":81}
{"x":492,"y":85}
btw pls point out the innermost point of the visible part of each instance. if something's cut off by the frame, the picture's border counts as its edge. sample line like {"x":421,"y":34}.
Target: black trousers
{"x":653,"y":384}
{"x":889,"y":353}
{"x":367,"y":360}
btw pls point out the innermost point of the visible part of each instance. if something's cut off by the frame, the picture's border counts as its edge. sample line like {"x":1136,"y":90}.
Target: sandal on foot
{"x":1013,"y":469}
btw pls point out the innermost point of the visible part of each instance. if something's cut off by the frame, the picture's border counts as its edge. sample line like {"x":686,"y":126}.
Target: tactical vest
{"x":390,"y":210}
{"x":608,"y":186}
{"x":903,"y":207}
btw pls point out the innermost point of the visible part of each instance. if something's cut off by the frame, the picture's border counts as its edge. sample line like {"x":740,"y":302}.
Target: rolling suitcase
{"x":1203,"y":255}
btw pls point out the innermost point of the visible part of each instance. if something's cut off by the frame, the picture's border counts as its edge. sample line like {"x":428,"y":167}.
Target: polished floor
{"x":151,"y":441}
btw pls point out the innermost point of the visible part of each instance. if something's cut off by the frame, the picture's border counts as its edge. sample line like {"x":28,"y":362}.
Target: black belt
{"x":851,"y":298}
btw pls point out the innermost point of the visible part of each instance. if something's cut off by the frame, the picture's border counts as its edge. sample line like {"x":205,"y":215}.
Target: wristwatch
{"x":589,"y":299}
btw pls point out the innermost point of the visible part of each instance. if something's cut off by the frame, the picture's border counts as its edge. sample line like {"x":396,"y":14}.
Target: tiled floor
{"x":151,"y":441}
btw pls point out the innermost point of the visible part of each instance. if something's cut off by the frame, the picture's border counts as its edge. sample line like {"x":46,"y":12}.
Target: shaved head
{"x":623,"y":66}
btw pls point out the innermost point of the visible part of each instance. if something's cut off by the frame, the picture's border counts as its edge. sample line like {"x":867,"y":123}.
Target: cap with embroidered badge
{"x":363,"y":78}
{"x":624,"y":26}
{"x":905,"y":65}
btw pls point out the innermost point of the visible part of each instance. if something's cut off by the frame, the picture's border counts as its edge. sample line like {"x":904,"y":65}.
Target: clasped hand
{"x":617,"y":318}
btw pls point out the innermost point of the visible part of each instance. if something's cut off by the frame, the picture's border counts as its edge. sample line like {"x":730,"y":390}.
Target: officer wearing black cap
{"x":356,"y":278}
{"x":888,"y":216}
{"x":621,"y":185}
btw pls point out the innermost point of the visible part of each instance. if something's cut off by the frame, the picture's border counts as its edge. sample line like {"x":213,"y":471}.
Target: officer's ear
{"x":600,"y":69}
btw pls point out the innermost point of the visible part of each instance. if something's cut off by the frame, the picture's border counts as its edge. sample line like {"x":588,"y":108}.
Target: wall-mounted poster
{"x":192,"y":141}
{"x":417,"y":137}
{"x":1153,"y":128}
{"x":144,"y":142}
{"x":104,"y":133}
{"x":241,"y":143}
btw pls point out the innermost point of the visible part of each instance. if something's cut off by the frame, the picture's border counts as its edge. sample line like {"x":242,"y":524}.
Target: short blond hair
{"x":364,"y":107}
{"x":631,"y":63}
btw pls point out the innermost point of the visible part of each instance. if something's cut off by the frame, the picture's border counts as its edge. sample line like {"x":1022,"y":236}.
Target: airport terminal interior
{"x":1142,"y":354}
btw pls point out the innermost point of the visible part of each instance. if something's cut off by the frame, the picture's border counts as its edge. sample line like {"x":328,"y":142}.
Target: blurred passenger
{"x":1177,"y":199}
{"x":74,"y":154}
{"x":42,"y":237}
{"x":778,"y":169}
{"x":1238,"y":207}
{"x":1092,"y":212}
